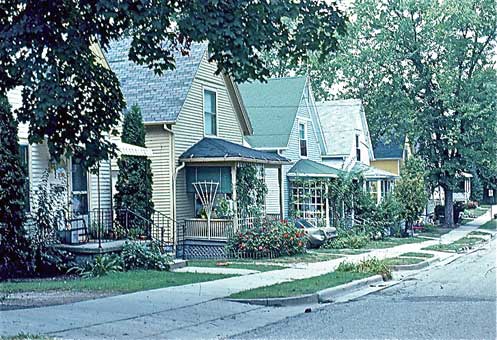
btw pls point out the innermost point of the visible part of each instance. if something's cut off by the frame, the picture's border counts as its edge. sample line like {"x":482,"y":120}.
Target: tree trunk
{"x":449,"y":209}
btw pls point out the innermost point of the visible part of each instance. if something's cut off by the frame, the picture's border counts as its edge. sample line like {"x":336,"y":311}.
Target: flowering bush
{"x":275,"y":237}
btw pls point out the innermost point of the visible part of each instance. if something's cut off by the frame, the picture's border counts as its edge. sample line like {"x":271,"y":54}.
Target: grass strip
{"x":395,"y":261}
{"x":478,"y":233}
{"x":390,"y":242}
{"x":415,"y":254}
{"x":234,"y":265}
{"x":343,"y":251}
{"x":121,"y":282}
{"x":456,"y":246}
{"x":490,"y":225}
{"x":301,"y":287}
{"x":26,"y":336}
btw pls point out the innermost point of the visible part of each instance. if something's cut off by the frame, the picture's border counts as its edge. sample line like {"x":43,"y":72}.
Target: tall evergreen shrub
{"x":134,"y":182}
{"x":15,"y":254}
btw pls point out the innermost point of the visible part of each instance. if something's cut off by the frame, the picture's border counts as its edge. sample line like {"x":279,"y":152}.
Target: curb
{"x":415,"y":266}
{"x":325,"y":295}
{"x":281,"y":302}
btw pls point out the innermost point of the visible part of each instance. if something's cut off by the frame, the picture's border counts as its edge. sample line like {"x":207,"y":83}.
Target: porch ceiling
{"x":221,"y":150}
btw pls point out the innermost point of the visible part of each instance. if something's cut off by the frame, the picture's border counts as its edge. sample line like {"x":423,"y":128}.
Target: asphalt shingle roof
{"x":388,"y":148}
{"x":221,"y":148}
{"x":160,"y":97}
{"x":340,"y":119}
{"x":306,"y":167}
{"x":272,"y":108}
{"x":371,"y":172}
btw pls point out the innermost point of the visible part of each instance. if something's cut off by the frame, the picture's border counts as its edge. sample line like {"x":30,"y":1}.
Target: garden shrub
{"x":370,"y":265}
{"x":138,"y":255}
{"x":102,"y":265}
{"x":347,"y":240}
{"x":277,"y":238}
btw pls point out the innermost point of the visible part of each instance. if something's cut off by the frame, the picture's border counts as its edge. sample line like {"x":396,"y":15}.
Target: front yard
{"x":456,"y":246}
{"x":490,"y":225}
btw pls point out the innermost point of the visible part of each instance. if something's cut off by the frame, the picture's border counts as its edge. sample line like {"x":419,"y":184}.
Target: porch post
{"x":233,"y":189}
{"x":327,"y":205}
{"x":378,"y":192}
{"x":280,"y":181}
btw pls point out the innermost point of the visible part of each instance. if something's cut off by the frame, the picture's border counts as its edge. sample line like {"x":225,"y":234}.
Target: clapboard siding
{"x":293,"y":150}
{"x":189,"y":127}
{"x":159,"y":140}
{"x":273,"y":195}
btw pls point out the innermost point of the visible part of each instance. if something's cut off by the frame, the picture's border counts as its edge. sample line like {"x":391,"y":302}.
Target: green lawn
{"x":402,"y":260}
{"x":415,"y":254}
{"x":437,"y":232}
{"x":234,"y":264}
{"x":343,"y":251}
{"x":478,"y":233}
{"x":490,"y":225}
{"x":392,"y":242}
{"x":300,"y":287}
{"x":477,"y":212}
{"x":121,"y":282}
{"x":457,"y":245}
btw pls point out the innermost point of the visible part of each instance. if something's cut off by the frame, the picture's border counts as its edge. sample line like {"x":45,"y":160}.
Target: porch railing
{"x":105,"y":225}
{"x":197,"y":228}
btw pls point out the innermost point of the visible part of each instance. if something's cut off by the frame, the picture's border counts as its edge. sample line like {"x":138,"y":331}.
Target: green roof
{"x":308,"y":168}
{"x":272,"y":108}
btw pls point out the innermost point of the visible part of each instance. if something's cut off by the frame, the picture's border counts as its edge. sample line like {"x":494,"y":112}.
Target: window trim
{"x":357,"y":148}
{"x":306,"y":139}
{"x":215,"y":91}
{"x":79,"y":192}
{"x":29,"y":174}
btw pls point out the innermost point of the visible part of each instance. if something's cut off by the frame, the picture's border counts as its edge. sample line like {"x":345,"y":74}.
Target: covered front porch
{"x":223,"y":187}
{"x":378,"y":183}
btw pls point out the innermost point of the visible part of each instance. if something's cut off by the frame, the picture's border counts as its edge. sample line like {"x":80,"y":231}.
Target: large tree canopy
{"x":68,"y":97}
{"x":426,"y":68}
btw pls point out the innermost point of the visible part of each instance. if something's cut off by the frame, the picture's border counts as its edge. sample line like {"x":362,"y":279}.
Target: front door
{"x":79,"y":190}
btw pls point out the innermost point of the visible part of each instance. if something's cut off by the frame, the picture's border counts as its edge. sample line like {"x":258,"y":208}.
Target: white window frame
{"x":308,"y":198}
{"x":358,"y":147}
{"x":29,"y":174}
{"x":306,"y":138}
{"x":215,"y":91}
{"x":82,"y":192}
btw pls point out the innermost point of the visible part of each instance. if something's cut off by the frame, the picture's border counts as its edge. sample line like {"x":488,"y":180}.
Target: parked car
{"x":317,"y":236}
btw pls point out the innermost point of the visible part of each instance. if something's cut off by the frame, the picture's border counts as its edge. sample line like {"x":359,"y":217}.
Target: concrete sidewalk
{"x":189,"y":311}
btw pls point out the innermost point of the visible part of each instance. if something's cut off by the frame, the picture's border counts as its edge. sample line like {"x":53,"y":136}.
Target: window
{"x":210,"y":112}
{"x":308,"y":200}
{"x":357,"y":148}
{"x":372,"y":189}
{"x":303,"y":139}
{"x":385,"y":188}
{"x":79,"y":183}
{"x":23,"y":150}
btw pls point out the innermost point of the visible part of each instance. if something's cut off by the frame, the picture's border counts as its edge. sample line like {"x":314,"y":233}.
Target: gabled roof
{"x":391,"y":147}
{"x":370,"y":172}
{"x":340,"y":120}
{"x":221,"y":150}
{"x":160,"y":97}
{"x":308,"y":168}
{"x":272,"y":108}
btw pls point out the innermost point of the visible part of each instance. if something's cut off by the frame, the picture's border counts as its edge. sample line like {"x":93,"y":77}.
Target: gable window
{"x":357,"y":148}
{"x":303,"y":139}
{"x":25,"y":166}
{"x":210,"y":113}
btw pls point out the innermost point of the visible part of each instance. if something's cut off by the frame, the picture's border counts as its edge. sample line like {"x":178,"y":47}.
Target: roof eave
{"x":231,"y":159}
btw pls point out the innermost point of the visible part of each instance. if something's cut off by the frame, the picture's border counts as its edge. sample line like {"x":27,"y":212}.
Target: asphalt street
{"x":456,"y":301}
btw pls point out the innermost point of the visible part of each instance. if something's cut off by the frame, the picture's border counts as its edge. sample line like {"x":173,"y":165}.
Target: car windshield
{"x":302,"y":223}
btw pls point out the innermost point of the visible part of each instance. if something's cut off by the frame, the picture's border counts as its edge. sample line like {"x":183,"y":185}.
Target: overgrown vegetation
{"x":251,"y":191}
{"x":271,"y":238}
{"x":370,"y":265}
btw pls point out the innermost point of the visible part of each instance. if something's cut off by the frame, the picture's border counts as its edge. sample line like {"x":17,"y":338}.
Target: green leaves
{"x":73,"y":99}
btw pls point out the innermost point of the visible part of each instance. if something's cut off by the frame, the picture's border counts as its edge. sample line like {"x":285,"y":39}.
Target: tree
{"x":410,"y":191}
{"x":73,"y":100}
{"x":426,"y":67}
{"x":134,"y":182}
{"x":15,"y":256}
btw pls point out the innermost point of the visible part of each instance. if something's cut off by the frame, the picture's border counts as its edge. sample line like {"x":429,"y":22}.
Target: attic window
{"x":357,"y":148}
{"x":303,"y":139}
{"x":210,"y":113}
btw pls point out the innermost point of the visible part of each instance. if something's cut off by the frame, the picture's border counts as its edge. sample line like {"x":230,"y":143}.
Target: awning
{"x":370,"y":172}
{"x":131,"y":150}
{"x":308,"y":168}
{"x":221,"y":150}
